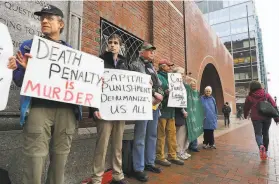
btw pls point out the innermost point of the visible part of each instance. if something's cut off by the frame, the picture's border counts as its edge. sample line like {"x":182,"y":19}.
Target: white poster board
{"x":126,"y":95}
{"x":6,"y":75}
{"x":59,"y":73}
{"x":177,"y":91}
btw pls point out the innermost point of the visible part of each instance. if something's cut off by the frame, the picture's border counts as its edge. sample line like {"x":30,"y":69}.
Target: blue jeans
{"x":145,"y":138}
{"x":193,"y":144}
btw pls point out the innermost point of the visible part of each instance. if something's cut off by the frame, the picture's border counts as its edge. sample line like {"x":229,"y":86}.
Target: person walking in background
{"x":227,"y":111}
{"x":260,"y":122}
{"x":166,"y":125}
{"x":239,"y":113}
{"x":181,"y":124}
{"x":106,"y":129}
{"x":211,"y":116}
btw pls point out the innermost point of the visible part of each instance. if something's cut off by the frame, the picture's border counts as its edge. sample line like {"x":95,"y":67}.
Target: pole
{"x":251,"y":66}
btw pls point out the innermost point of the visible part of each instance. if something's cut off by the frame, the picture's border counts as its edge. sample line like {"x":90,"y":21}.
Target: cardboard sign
{"x":126,"y":95}
{"x":178,"y":93}
{"x":6,"y":75}
{"x":59,"y":73}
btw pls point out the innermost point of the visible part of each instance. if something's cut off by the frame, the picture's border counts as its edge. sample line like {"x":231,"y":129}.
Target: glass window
{"x":252,"y":23}
{"x":225,"y":3}
{"x":239,"y":11}
{"x":215,"y":5}
{"x":236,"y":76}
{"x":203,"y":6}
{"x":235,"y":2}
{"x":241,"y":40}
{"x":227,"y":42}
{"x":244,"y":56}
{"x":219,"y":16}
{"x":239,"y":26}
{"x":222,"y":29}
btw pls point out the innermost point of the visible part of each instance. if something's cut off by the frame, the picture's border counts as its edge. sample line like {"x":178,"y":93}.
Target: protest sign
{"x":59,"y":73}
{"x":126,"y":95}
{"x":177,"y":94}
{"x":6,"y":75}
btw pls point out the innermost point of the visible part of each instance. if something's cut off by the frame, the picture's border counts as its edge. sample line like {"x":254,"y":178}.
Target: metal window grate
{"x":131,"y":44}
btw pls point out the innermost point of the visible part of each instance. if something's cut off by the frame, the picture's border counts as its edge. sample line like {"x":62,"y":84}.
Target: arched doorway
{"x":210,"y":77}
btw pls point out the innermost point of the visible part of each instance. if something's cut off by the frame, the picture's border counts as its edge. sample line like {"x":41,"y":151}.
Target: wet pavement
{"x":236,"y":160}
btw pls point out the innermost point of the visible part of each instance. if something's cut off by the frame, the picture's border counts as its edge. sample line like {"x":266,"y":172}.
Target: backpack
{"x":4,"y":177}
{"x":226,"y":110}
{"x":127,"y":157}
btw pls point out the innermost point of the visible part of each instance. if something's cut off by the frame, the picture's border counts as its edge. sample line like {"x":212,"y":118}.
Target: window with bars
{"x":131,"y":44}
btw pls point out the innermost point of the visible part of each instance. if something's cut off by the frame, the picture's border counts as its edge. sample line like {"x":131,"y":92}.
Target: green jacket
{"x":167,"y":112}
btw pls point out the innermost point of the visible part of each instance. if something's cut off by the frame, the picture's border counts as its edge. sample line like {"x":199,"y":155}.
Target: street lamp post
{"x":251,"y":66}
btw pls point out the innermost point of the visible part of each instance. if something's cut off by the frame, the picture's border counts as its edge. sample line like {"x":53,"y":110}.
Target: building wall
{"x":204,"y":47}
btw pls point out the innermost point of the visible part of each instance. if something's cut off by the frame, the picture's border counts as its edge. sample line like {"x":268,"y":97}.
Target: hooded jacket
{"x":251,"y":104}
{"x":210,"y":112}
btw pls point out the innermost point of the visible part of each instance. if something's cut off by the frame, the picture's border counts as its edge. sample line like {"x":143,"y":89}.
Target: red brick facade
{"x":161,"y":23}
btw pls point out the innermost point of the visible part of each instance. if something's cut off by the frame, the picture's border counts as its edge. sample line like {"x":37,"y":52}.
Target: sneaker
{"x":177,"y":161}
{"x":182,"y":156}
{"x":262,"y":152}
{"x":152,"y":168}
{"x":164,"y":162}
{"x":123,"y":181}
{"x":205,"y":146}
{"x":141,"y":176}
{"x":187,"y":155}
{"x":213,"y":146}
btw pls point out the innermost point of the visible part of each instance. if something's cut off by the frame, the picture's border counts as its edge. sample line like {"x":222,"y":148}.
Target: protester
{"x":145,"y":135}
{"x":211,"y":116}
{"x":166,"y":125}
{"x":106,"y":129}
{"x":195,"y":116}
{"x":227,"y":111}
{"x":261,"y":123}
{"x":181,"y":124}
{"x":46,"y":119}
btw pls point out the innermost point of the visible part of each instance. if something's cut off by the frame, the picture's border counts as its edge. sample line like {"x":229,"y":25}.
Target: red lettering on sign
{"x":88,"y":99}
{"x":79,"y":97}
{"x":33,"y":88}
{"x":69,"y":96}
{"x":56,"y":91}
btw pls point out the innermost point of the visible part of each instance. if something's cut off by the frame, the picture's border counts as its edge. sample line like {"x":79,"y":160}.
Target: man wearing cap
{"x":44,"y":119}
{"x":145,"y":135}
{"x":166,"y":125}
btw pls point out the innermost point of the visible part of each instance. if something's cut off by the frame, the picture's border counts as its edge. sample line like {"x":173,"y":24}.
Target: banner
{"x":59,"y":73}
{"x":6,"y":75}
{"x":195,"y":114}
{"x":126,"y":95}
{"x":177,"y":91}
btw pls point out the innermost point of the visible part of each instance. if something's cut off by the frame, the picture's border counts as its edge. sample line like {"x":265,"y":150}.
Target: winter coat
{"x":226,"y":110}
{"x":167,"y":112}
{"x":210,"y":112}
{"x":251,"y":104}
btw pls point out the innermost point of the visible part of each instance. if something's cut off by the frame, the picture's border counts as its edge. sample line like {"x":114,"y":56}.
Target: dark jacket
{"x":144,"y":66}
{"x":109,"y":63}
{"x":226,"y":110}
{"x":251,"y":104}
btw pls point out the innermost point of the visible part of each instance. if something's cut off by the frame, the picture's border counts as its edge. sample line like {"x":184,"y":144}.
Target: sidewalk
{"x":235,"y":160}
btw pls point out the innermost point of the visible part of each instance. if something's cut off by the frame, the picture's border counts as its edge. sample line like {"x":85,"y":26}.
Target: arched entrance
{"x":210,"y":77}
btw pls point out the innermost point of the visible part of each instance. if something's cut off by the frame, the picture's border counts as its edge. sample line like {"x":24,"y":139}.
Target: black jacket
{"x":109,"y":63}
{"x":226,"y":110}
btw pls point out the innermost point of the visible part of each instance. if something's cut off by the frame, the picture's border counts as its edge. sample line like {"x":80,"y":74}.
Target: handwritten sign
{"x":126,"y":95}
{"x":59,"y":73}
{"x":6,"y":75}
{"x":178,"y":93}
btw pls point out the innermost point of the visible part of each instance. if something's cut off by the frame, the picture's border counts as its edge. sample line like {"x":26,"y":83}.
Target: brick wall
{"x":160,"y":23}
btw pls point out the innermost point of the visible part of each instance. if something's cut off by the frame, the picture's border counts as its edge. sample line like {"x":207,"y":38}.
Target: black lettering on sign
{"x":118,"y":109}
{"x":139,"y":109}
{"x":1,"y":50}
{"x":11,"y":24}
{"x":1,"y":79}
